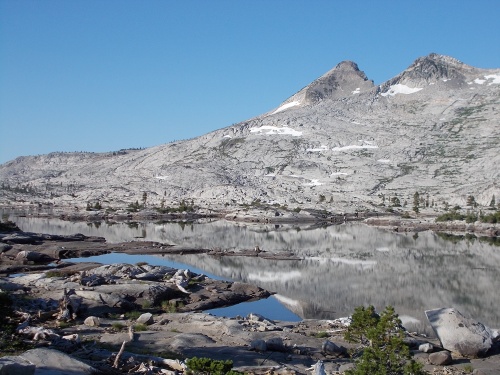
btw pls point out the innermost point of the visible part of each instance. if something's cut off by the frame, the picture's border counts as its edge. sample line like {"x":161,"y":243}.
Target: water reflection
{"x":344,"y":266}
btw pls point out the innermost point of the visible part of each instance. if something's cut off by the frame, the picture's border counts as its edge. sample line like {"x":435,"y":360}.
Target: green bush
{"x":10,"y":343}
{"x":133,"y":314}
{"x":207,"y":366}
{"x":118,"y":326}
{"x":321,"y":335}
{"x":491,"y":218}
{"x":450,"y":216}
{"x":384,"y":351}
{"x":140,"y":327}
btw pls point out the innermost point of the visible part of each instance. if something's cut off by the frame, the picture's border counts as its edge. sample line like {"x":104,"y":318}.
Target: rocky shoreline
{"x":146,"y":319}
{"x":268,"y":215}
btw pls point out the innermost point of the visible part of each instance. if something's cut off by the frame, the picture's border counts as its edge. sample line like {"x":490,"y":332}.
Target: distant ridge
{"x":340,"y":143}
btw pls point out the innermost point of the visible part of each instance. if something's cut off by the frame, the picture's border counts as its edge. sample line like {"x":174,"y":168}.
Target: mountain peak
{"x":431,"y":68}
{"x":344,"y":80}
{"x":347,"y":65}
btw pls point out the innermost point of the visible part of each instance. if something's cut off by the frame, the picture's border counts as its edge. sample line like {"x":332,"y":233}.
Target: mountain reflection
{"x":343,"y":266}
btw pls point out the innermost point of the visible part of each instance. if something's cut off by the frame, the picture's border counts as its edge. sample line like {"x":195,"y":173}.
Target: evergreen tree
{"x":384,"y":351}
{"x":416,"y":202}
{"x":471,"y":201}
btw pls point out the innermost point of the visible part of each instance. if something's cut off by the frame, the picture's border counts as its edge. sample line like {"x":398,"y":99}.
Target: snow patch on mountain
{"x":494,"y":77}
{"x":319,"y":149}
{"x":353,"y":147}
{"x":286,"y":106}
{"x":400,"y":89}
{"x":314,"y":182}
{"x":270,"y":130}
{"x":495,"y":80}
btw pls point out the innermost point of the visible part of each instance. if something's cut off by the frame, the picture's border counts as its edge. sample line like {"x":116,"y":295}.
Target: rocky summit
{"x":341,"y":142}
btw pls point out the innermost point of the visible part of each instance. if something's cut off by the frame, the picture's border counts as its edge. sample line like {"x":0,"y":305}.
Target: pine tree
{"x":384,"y":351}
{"x":416,"y":202}
{"x":471,"y":201}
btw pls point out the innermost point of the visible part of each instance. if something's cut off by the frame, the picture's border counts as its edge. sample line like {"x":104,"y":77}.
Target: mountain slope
{"x":341,"y":142}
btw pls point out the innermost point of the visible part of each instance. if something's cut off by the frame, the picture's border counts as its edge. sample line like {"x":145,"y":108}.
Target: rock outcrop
{"x":460,"y":335}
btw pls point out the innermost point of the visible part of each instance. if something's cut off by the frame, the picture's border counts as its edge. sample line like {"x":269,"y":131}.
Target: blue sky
{"x":101,"y":75}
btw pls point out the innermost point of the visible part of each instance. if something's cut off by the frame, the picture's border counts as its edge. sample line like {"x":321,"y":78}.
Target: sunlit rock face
{"x":432,"y":128}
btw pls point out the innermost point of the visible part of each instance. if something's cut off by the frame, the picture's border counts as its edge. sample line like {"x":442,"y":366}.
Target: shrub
{"x":209,"y":366}
{"x":384,"y":351}
{"x":118,"y":326}
{"x":10,"y":343}
{"x":133,"y":314}
{"x":171,"y":306}
{"x":491,"y":218}
{"x":139,"y":327}
{"x":406,"y":215}
{"x":321,"y":335}
{"x":50,"y":274}
{"x":450,"y":216}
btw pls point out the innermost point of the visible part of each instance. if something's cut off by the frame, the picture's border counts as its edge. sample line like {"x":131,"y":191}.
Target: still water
{"x":342,"y":266}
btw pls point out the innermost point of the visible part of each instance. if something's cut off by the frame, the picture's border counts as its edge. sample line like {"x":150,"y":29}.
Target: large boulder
{"x":441,"y":358}
{"x":16,"y":365}
{"x":53,"y":362}
{"x":146,"y":318}
{"x":92,"y":321}
{"x":331,"y":348}
{"x":460,"y":335}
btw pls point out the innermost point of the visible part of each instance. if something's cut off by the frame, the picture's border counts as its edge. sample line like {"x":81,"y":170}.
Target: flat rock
{"x":16,"y":365}
{"x":54,"y":362}
{"x":458,"y":334}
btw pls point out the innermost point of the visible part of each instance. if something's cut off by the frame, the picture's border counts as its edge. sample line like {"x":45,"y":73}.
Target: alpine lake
{"x":341,"y":266}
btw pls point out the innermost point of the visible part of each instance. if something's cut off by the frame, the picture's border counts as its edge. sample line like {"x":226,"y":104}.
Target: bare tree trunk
{"x":116,"y":364}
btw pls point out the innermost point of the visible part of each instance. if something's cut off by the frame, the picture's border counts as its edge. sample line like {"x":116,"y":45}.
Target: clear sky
{"x":101,"y":75}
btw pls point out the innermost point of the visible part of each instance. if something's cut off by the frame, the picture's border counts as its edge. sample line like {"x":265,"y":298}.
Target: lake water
{"x":342,"y":266}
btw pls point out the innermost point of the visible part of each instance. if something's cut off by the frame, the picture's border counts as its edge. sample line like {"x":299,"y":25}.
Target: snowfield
{"x":401,"y":89}
{"x":270,"y":130}
{"x":320,"y":149}
{"x":353,"y":147}
{"x":286,"y":106}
